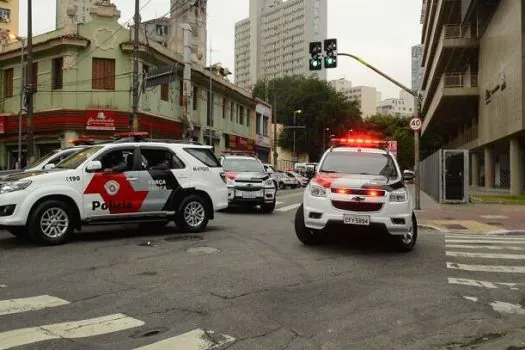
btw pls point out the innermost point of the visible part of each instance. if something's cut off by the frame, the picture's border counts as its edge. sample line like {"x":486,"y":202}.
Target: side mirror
{"x":49,"y":166}
{"x":94,"y":166}
{"x":408,"y":175}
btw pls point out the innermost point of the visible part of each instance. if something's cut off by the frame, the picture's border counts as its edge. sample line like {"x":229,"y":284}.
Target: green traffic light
{"x":330,"y":62}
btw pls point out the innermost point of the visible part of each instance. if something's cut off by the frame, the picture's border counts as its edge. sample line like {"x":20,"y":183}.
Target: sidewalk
{"x":470,"y":218}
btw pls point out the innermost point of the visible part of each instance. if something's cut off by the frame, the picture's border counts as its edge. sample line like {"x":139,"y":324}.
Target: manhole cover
{"x":184,"y":238}
{"x":202,"y":250}
{"x":455,"y":227}
{"x":149,"y":333}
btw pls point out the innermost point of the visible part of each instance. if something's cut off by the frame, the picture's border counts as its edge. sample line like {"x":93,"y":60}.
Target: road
{"x":247,"y":283}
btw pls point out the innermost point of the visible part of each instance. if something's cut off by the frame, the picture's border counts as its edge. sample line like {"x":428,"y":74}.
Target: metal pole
{"x":29,"y":82}
{"x":22,"y":89}
{"x":324,"y":140}
{"x":274,"y":110}
{"x":187,"y":88}
{"x":294,"y":121}
{"x":210,"y":99}
{"x":135,"y":105}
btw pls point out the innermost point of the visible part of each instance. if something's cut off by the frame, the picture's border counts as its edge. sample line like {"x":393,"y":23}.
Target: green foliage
{"x":321,"y":105}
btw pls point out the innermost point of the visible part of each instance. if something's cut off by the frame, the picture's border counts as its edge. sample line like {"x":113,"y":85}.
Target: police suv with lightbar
{"x":357,"y":185}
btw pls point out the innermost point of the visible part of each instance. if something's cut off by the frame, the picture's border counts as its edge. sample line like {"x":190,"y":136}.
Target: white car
{"x":149,"y":183}
{"x":358,"y":185}
{"x":303,"y":181}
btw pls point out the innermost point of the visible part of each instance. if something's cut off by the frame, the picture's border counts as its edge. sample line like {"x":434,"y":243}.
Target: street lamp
{"x":22,"y":90}
{"x":294,"y":124}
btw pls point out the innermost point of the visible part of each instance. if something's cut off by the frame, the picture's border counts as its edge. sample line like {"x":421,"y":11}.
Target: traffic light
{"x":316,"y":49}
{"x":330,"y":59}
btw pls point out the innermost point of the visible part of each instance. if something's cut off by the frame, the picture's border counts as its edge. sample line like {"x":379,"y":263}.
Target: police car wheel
{"x":52,"y":223}
{"x":406,"y":243}
{"x":268,"y":207}
{"x":306,"y":235}
{"x":192,"y":215}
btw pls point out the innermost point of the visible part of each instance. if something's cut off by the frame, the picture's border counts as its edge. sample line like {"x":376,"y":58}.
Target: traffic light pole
{"x":416,"y":114}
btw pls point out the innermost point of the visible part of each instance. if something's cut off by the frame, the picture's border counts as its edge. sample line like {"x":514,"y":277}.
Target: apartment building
{"x":473,"y":85}
{"x":342,"y":85}
{"x":9,"y":13}
{"x":417,"y":70}
{"x":366,"y":98}
{"x":273,"y":41}
{"x":400,"y":107}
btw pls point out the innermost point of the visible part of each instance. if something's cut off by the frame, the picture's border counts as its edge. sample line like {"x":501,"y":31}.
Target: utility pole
{"x":135,"y":105}
{"x":187,"y":88}
{"x":274,"y":120}
{"x":210,"y":99}
{"x":29,"y":81}
{"x":21,"y":112}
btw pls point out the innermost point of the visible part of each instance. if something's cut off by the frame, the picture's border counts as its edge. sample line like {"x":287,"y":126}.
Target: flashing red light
{"x":356,"y":142}
{"x":231,"y":175}
{"x":121,"y":135}
{"x":372,"y":193}
{"x":342,"y":191}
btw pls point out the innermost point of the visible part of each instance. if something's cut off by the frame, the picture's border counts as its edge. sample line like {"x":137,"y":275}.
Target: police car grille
{"x":357,"y":206}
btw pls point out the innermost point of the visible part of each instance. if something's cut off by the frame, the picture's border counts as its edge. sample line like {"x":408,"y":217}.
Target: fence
{"x":430,"y":178}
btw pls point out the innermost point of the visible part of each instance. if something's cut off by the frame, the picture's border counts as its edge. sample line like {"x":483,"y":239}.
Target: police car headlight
{"x":14,"y":186}
{"x":317,"y":191}
{"x":268,"y":183}
{"x":400,"y":195}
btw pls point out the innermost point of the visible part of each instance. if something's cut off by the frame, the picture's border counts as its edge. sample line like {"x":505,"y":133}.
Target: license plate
{"x":249,"y":195}
{"x":357,"y":220}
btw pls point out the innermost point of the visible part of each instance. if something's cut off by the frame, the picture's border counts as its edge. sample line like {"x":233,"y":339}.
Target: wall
{"x":13,"y":24}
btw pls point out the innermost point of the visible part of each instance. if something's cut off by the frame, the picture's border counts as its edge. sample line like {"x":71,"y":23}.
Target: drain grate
{"x":184,"y":238}
{"x":455,"y":227}
{"x":149,"y":333}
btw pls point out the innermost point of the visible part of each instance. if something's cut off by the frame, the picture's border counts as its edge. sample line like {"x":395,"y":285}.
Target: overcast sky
{"x":380,"y":31}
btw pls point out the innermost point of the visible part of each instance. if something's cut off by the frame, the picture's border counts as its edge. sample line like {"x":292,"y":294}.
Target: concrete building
{"x":263,"y":131}
{"x":157,"y":30}
{"x":473,"y":85}
{"x":83,"y":89}
{"x":274,"y":40}
{"x":366,"y":98}
{"x":400,"y":107}
{"x":82,"y":7}
{"x":342,"y":85}
{"x":417,"y":70}
{"x":9,"y":14}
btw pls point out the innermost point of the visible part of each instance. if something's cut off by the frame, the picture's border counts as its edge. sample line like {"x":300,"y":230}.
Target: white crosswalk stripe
{"x":289,"y":207}
{"x":196,"y":339}
{"x":486,"y":255}
{"x":13,"y":306}
{"x":489,"y":247}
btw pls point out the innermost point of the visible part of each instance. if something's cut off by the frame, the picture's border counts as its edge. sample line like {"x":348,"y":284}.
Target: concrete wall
{"x":501,"y":59}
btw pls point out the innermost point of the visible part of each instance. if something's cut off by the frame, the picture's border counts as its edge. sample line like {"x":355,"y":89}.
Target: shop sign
{"x":2,"y":124}
{"x":101,"y":120}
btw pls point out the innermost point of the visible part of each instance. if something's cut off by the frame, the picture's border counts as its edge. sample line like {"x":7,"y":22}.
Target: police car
{"x":358,"y":184}
{"x":132,"y":180}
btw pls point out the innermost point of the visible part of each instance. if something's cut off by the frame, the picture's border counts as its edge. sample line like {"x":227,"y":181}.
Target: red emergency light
{"x":358,"y":141}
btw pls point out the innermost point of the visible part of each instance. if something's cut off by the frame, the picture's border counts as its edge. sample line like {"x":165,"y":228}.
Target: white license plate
{"x":357,"y":220}
{"x":249,"y":195}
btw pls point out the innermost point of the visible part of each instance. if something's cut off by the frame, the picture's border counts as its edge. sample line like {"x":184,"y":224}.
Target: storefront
{"x":263,"y":148}
{"x":239,"y":143}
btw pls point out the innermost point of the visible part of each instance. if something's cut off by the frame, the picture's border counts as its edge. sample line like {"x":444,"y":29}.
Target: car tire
{"x":406,"y":243}
{"x":54,"y":216}
{"x":268,"y":207}
{"x":192,"y":215}
{"x":281,"y":186}
{"x":19,"y":232}
{"x":306,"y":235}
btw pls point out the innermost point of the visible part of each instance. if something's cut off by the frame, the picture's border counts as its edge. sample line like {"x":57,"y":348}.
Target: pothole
{"x":202,"y":250}
{"x":184,"y":238}
{"x":149,"y":333}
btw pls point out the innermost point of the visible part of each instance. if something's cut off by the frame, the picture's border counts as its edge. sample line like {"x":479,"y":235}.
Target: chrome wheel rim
{"x":194,"y":214}
{"x":408,"y":237}
{"x":54,"y":222}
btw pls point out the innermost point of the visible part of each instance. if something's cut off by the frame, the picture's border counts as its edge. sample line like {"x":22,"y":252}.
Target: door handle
{"x":133,"y":178}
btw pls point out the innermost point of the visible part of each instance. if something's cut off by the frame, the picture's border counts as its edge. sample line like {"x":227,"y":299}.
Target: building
{"x":83,"y":89}
{"x":82,"y":8}
{"x":417,"y":70}
{"x":473,"y":85}
{"x":263,"y":130}
{"x":274,"y":40}
{"x":9,"y":14}
{"x":400,"y":107}
{"x":366,"y":98}
{"x":157,"y":29}
{"x":342,"y":85}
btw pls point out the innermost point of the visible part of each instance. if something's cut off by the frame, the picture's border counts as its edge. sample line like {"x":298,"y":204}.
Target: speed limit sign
{"x":415,"y":123}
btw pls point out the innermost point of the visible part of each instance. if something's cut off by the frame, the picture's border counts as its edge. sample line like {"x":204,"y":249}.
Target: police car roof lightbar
{"x":82,"y":141}
{"x":358,"y":141}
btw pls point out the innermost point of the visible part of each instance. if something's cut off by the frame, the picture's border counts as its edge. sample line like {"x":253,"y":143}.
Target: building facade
{"x":263,"y":130}
{"x":473,"y":85}
{"x":83,"y":80}
{"x":417,"y":70}
{"x":9,"y":17}
{"x":366,"y":98}
{"x":82,"y":8}
{"x":400,"y":107}
{"x":342,"y":85}
{"x":277,"y":41}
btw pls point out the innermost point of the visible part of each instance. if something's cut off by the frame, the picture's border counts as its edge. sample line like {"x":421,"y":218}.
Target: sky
{"x":379,"y":31}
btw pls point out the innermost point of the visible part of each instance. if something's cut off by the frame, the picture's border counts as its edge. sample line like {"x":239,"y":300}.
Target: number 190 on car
{"x":361,"y":220}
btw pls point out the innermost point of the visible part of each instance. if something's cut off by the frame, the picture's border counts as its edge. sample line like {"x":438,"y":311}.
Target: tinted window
{"x":205,"y":155}
{"x":79,"y":158}
{"x":41,"y":159}
{"x":242,"y":165}
{"x":359,"y":163}
{"x":57,"y":159}
{"x":160,"y":159}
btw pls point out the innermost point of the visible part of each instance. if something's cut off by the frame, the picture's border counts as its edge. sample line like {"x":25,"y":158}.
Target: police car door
{"x":162,"y":175}
{"x":113,"y":192}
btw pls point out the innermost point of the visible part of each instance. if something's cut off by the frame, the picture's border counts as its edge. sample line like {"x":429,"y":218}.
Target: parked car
{"x":288,"y":181}
{"x":302,"y":180}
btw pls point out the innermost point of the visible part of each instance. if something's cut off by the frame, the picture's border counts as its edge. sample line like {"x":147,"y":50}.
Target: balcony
{"x":455,"y":99}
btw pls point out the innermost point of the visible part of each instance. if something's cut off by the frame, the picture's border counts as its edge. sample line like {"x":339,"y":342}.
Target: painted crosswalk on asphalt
{"x":196,"y":339}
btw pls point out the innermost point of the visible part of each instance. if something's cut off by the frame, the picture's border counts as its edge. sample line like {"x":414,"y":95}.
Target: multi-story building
{"x":417,"y":70}
{"x":82,"y":8}
{"x":83,"y":81}
{"x":157,"y":30}
{"x":400,"y":107}
{"x":9,"y":12}
{"x":342,"y":85}
{"x":263,"y":130}
{"x":366,"y":98}
{"x":473,"y":85}
{"x":274,"y":41}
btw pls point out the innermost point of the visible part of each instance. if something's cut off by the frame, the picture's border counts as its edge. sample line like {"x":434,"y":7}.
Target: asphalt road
{"x":247,"y":283}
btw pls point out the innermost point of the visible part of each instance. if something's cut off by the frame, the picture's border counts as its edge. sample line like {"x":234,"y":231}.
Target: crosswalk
{"x":481,"y":263}
{"x":196,"y":339}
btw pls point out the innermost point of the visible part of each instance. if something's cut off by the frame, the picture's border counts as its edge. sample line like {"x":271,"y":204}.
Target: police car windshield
{"x":41,"y":159}
{"x":77,"y":159}
{"x":242,"y":165}
{"x":361,"y":163}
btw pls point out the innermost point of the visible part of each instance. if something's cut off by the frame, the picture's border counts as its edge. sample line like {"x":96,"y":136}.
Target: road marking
{"x":196,"y":339}
{"x":68,"y":330}
{"x":481,"y":284}
{"x":494,"y":217}
{"x":485,"y":237}
{"x":504,"y":241}
{"x":13,"y":306}
{"x":279,"y":203}
{"x":470,"y":226}
{"x":289,"y":207}
{"x":507,"y":308}
{"x":474,"y":299}
{"x":490,"y":247}
{"x":486,"y":268}
{"x":486,"y":255}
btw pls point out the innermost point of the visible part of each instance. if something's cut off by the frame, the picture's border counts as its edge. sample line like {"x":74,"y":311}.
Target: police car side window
{"x":118,"y":160}
{"x":161,"y":159}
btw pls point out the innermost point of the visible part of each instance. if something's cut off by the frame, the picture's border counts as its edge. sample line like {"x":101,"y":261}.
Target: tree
{"x":321,"y":105}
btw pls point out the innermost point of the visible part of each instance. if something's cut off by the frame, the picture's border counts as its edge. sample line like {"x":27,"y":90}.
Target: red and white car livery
{"x":126,"y":182}
{"x":358,"y":184}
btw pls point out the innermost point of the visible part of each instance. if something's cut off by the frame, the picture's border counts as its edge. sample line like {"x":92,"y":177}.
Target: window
{"x":359,"y":163}
{"x":242,"y":165}
{"x":258,"y":123}
{"x":160,"y":159}
{"x":79,"y":158}
{"x":205,"y":155}
{"x":103,"y":74}
{"x":210,"y":109}
{"x":223,"y":108}
{"x":57,"y":74}
{"x":266,"y":121}
{"x":241,"y":115}
{"x":195,"y":98}
{"x":34,"y":75}
{"x":5,"y":15}
{"x":118,"y":160}
{"x":165,"y":92}
{"x":232,"y":110}
{"x":181,"y":93}
{"x":248,"y":115}
{"x":8,"y":82}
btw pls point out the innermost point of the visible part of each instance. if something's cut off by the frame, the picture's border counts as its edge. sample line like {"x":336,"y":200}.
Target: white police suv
{"x":133,"y":180}
{"x":358,"y":184}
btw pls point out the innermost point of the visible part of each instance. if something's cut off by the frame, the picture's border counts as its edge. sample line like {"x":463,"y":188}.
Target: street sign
{"x":415,"y":124}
